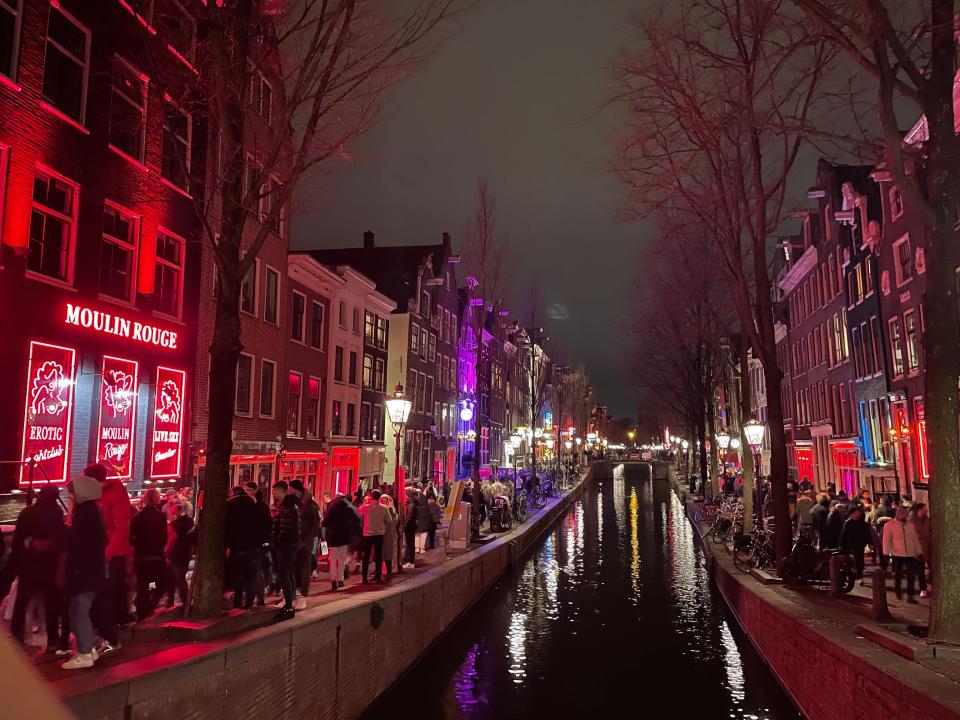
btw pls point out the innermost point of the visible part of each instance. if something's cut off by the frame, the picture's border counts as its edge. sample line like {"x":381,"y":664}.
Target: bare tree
{"x":327,"y":63}
{"x":486,"y":256}
{"x":719,"y":99}
{"x":910,"y":50}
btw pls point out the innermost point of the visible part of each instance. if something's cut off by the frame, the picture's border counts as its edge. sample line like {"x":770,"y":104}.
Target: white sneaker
{"x":300,"y":603}
{"x":408,"y":566}
{"x":79,"y":662}
{"x":924,"y":594}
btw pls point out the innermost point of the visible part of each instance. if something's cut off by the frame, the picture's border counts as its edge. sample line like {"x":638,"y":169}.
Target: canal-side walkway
{"x":830,"y":655}
{"x":331,"y":661}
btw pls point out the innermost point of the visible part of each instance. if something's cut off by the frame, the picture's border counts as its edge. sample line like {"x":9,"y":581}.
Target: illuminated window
{"x":294,"y":391}
{"x":244,"y":384}
{"x":168,"y":275}
{"x":311,"y":406}
{"x":118,"y":249}
{"x":248,"y":289}
{"x":903,"y":259}
{"x":316,"y":325}
{"x":176,"y":27}
{"x":52,"y":227}
{"x":414,"y":339}
{"x":367,"y":371}
{"x":128,"y":109}
{"x":298,"y":312}
{"x":381,"y":333}
{"x":913,"y":342}
{"x":379,"y":375}
{"x":9,"y":37}
{"x":369,"y":327}
{"x":177,"y":133}
{"x":896,"y":346}
{"x":271,"y":293}
{"x":268,"y":375}
{"x":66,"y":64}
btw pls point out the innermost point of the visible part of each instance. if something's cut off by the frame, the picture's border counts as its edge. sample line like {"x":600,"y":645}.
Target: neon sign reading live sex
{"x":111,"y":324}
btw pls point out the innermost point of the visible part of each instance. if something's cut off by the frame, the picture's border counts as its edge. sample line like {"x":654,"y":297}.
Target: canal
{"x":612,"y":612}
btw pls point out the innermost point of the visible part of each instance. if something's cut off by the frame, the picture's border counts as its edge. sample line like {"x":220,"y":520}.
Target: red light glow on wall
{"x":168,"y":407}
{"x":48,"y":412}
{"x":118,"y":415}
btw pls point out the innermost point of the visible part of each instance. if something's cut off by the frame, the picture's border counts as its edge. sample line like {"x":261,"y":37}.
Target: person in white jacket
{"x":900,"y":542}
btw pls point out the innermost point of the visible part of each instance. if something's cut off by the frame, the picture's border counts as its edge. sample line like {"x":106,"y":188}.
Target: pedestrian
{"x":818,"y":518}
{"x":265,"y":522}
{"x":117,"y":512}
{"x":181,"y":541}
{"x":805,"y":503}
{"x":309,"y":541}
{"x":436,"y":514}
{"x":246,"y":531}
{"x":186,"y":500}
{"x":901,"y":544}
{"x":881,"y":516}
{"x":148,"y":537}
{"x":920,"y":519}
{"x":831,"y":533}
{"x":38,"y":543}
{"x":854,"y":537}
{"x":169,"y":501}
{"x":410,"y":526}
{"x":389,"y":534}
{"x":340,"y":523}
{"x":285,"y":539}
{"x":373,"y":515}
{"x":728,"y":481}
{"x":424,"y":521}
{"x":86,"y":545}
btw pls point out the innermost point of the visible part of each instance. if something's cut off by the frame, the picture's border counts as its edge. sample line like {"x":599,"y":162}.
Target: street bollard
{"x":837,"y":563}
{"x":880,"y":611}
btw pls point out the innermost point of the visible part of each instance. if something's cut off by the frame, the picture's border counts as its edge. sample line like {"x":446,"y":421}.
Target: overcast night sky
{"x":514,"y":96}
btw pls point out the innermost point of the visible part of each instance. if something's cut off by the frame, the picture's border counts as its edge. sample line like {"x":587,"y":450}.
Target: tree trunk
{"x":746,"y":397}
{"x":702,"y":457}
{"x":711,"y":438}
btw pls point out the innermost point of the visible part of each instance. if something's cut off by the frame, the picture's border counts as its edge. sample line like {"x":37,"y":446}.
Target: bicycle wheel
{"x":520,"y":513}
{"x":743,"y":559}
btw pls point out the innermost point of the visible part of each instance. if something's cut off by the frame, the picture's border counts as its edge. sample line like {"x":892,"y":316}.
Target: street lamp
{"x":753,"y":431}
{"x":515,"y":440}
{"x":398,"y":408}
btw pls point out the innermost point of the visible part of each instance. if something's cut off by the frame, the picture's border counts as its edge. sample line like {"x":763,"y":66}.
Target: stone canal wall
{"x":328,"y":663}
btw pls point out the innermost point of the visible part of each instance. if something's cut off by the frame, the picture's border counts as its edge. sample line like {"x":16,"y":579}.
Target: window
{"x":52,"y":227}
{"x":425,"y":305}
{"x":369,"y":327}
{"x":412,"y":388}
{"x":866,"y":334}
{"x":177,"y":27}
{"x":297,"y":312}
{"x":294,"y":392}
{"x":271,"y":293}
{"x":896,"y":204}
{"x":168,"y":275}
{"x":261,"y":96}
{"x":367,"y":371}
{"x":268,"y":374}
{"x":353,"y":368}
{"x":175,"y":158}
{"x":269,"y":194}
{"x":857,"y":353}
{"x":9,"y":37}
{"x":311,"y":408}
{"x":903,"y":260}
{"x":414,"y":339}
{"x":422,"y":393}
{"x":338,"y":364}
{"x":248,"y":289}
{"x":244,"y":384}
{"x":356,"y":320}
{"x":896,"y":347}
{"x":875,"y":342}
{"x":335,"y":417}
{"x":118,"y":247}
{"x":365,"y":433}
{"x":376,"y":423}
{"x":128,"y":109}
{"x":913,"y":343}
{"x":316,"y":325}
{"x":432,"y":349}
{"x":351,"y":419}
{"x":423,"y":344}
{"x":342,"y":318}
{"x":381,"y":333}
{"x":66,"y":64}
{"x":379,"y":375}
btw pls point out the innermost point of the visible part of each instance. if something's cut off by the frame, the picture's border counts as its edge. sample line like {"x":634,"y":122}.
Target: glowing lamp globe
{"x":684,"y":444}
{"x":550,"y":443}
{"x":515,"y":440}
{"x":466,"y":413}
{"x":734,"y":443}
{"x":398,"y":407}
{"x":723,"y":441}
{"x":754,"y":432}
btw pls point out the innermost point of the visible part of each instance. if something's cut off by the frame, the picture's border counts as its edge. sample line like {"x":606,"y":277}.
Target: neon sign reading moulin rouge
{"x":111,"y":324}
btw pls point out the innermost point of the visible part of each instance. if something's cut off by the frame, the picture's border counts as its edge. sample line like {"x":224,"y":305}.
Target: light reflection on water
{"x":615,"y":601}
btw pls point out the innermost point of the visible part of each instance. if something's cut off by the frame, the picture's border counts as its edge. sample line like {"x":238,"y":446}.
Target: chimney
{"x":368,"y":240}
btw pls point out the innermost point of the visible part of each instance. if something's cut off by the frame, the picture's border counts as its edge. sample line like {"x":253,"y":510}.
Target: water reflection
{"x":612,"y":613}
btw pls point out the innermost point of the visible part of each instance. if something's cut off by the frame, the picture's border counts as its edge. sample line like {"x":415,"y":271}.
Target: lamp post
{"x":398,"y":408}
{"x":686,"y":459}
{"x":753,"y":431}
{"x":515,"y":441}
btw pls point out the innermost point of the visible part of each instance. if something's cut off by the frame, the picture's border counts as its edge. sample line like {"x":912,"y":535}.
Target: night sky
{"x":516,"y":96}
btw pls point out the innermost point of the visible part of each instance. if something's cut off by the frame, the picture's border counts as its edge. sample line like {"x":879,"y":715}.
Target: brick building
{"x":373,"y":416}
{"x":99,"y":243}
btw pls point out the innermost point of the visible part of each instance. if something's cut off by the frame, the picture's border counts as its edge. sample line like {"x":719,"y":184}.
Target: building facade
{"x":373,"y":416}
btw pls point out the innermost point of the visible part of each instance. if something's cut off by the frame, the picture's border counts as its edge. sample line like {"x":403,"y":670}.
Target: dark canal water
{"x":613,"y":612}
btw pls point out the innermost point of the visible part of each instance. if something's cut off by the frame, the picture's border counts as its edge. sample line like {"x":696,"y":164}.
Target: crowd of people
{"x":97,"y":562}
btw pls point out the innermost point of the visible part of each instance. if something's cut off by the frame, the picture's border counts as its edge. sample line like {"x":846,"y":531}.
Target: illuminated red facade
{"x":98,"y":240}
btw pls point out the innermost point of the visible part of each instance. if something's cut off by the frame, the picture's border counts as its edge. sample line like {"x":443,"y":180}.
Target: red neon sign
{"x":48,"y":412}
{"x":110,"y":324}
{"x":168,"y":407}
{"x":118,"y":415}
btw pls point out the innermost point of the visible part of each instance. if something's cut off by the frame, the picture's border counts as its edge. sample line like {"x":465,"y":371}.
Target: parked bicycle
{"x":755,"y":550}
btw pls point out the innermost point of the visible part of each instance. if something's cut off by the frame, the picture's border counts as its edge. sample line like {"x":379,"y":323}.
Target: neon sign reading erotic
{"x":111,"y":324}
{"x":47,"y":412}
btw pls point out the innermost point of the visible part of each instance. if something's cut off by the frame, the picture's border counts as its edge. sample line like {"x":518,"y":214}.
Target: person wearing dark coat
{"x":341,"y":523}
{"x":854,"y":538}
{"x":181,"y":541}
{"x":411,"y":511}
{"x":309,"y":538}
{"x":246,"y":530}
{"x":38,"y":541}
{"x":818,"y":517}
{"x":831,"y":533}
{"x":148,"y":536}
{"x":86,"y":546}
{"x":285,"y":539}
